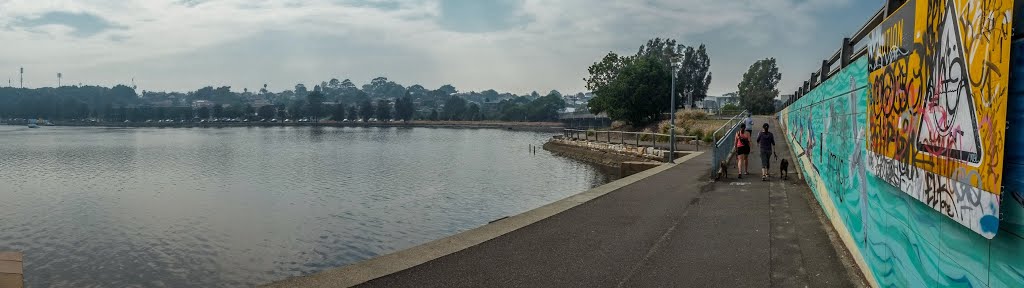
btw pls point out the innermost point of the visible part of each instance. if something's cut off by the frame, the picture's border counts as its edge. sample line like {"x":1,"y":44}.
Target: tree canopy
{"x":758,"y":89}
{"x":693,"y":77}
{"x":121,"y":102}
{"x":636,"y":89}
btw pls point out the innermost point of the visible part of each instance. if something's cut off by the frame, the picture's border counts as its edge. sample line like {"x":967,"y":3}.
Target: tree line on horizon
{"x":333,"y":99}
{"x":635,"y":88}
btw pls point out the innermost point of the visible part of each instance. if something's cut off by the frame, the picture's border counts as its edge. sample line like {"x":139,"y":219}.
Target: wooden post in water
{"x":11,"y":274}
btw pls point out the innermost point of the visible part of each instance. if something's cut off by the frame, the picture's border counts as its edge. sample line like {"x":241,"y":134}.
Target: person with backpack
{"x":766,"y":141}
{"x":749,"y":123}
{"x":742,"y":150}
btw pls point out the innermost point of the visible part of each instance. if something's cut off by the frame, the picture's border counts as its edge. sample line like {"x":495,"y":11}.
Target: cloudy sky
{"x":509,"y":45}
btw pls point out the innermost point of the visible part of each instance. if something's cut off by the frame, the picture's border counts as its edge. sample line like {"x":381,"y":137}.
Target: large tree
{"x":366,"y":110}
{"x":218,"y":111}
{"x":339,"y":112}
{"x":383,"y":110}
{"x":404,"y":107}
{"x":454,"y":108}
{"x":757,"y":90}
{"x":473,"y":113}
{"x":693,"y":77}
{"x":314,"y":104}
{"x":266,"y":111}
{"x":353,"y":112}
{"x":633,"y":89}
{"x":203,"y":113}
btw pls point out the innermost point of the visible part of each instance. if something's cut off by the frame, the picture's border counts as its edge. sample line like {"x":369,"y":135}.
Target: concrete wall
{"x":899,"y":236}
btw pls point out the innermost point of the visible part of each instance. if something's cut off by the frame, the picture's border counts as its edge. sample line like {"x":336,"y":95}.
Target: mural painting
{"x":938,"y":73}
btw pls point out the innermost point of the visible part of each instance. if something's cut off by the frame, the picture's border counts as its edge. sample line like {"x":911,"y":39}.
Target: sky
{"x":514,"y":46}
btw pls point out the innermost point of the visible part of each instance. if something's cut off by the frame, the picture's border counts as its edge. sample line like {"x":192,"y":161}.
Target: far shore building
{"x":202,"y":103}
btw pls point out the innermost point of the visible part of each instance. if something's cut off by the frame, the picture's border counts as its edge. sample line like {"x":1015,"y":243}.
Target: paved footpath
{"x":672,"y":229}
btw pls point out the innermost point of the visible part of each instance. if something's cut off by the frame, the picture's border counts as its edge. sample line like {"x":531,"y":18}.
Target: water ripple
{"x":234,"y":207}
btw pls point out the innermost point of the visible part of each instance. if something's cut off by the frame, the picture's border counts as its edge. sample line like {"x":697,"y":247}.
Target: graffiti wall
{"x":897,"y":240}
{"x":938,"y":77}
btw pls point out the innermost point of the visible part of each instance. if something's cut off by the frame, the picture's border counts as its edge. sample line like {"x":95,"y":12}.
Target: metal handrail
{"x":622,"y":140}
{"x":720,"y":150}
{"x":714,"y":136}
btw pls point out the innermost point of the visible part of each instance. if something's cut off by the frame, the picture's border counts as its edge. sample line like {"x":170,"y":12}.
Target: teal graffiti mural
{"x":897,"y":240}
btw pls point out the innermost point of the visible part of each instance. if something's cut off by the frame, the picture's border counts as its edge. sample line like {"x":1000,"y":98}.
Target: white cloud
{"x":171,"y":43}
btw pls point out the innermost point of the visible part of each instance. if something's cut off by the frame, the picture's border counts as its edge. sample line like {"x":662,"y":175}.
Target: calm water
{"x":243,"y":206}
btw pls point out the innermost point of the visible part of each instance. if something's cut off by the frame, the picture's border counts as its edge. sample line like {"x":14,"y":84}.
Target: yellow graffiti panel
{"x":938,"y":76}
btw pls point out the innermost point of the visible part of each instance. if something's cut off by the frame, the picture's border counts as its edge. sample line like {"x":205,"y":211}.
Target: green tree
{"x":339,"y":112}
{"x":454,"y":108}
{"x":381,"y":87}
{"x":757,"y":90}
{"x":404,"y":107}
{"x":266,"y":111}
{"x":433,"y":115}
{"x":248,"y":111}
{"x":314,"y":104}
{"x":383,"y":110}
{"x":203,"y":112}
{"x":295,"y":109}
{"x":630,"y":89}
{"x":731,"y":107}
{"x":473,"y":113}
{"x":447,"y":90}
{"x":353,"y":112}
{"x":694,"y":76}
{"x":366,"y":110}
{"x":218,"y":111}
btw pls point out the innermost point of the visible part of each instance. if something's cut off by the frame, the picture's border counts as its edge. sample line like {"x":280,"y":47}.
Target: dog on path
{"x":784,"y":169}
{"x":723,"y":170}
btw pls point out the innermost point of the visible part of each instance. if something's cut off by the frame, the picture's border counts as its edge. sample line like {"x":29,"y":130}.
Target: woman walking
{"x":742,"y":150}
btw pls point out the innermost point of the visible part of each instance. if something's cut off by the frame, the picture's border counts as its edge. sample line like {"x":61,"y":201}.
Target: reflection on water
{"x":243,"y":206}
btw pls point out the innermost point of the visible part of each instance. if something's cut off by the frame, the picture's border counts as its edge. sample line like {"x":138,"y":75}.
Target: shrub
{"x":692,"y":115}
{"x":698,"y":133}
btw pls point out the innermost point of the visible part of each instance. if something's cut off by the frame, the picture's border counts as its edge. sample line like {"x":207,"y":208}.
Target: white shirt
{"x":749,"y":123}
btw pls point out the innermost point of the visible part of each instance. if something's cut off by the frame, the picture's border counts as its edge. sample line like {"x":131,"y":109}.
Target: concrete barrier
{"x":11,"y":274}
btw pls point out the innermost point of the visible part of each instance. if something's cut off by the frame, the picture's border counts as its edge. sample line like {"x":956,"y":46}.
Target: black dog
{"x":784,"y":169}
{"x":723,"y":170}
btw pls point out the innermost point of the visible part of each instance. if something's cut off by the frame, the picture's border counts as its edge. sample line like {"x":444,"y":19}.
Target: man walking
{"x":766,"y":141}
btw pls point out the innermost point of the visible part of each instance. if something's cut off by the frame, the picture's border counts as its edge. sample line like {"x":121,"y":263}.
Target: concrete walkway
{"x":672,"y":229}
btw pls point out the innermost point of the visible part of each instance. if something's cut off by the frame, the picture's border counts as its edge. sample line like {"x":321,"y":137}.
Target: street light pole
{"x":672,"y":117}
{"x":672,"y":107}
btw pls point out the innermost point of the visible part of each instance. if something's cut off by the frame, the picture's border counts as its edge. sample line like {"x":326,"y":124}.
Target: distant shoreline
{"x":515,"y":126}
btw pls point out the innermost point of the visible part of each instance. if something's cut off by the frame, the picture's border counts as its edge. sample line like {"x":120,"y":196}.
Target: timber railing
{"x":640,"y":139}
{"x":724,"y":139}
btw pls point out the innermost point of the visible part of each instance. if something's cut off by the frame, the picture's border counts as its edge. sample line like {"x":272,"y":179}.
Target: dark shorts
{"x":766,"y":159}
{"x":745,"y":150}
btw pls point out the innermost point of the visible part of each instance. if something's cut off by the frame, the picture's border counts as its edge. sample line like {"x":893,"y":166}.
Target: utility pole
{"x":672,"y":109}
{"x":22,"y":71}
{"x":59,"y":75}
